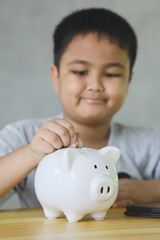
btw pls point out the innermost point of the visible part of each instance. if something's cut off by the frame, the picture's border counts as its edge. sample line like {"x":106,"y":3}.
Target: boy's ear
{"x":55,"y":77}
{"x":130,"y":80}
{"x":130,"y":77}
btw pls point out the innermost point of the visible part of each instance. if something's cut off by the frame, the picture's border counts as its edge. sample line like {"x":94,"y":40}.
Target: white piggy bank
{"x":77,"y":182}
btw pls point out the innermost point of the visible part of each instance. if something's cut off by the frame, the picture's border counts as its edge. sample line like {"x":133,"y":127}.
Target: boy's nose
{"x":95,"y":84}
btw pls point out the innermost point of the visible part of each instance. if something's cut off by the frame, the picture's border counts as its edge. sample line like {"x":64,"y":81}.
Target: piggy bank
{"x":77,"y":181}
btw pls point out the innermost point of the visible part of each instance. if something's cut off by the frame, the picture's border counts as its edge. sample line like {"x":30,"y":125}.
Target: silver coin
{"x":79,"y":141}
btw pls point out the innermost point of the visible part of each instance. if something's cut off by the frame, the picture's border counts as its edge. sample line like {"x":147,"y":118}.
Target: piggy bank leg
{"x":73,"y":217}
{"x":51,"y":214}
{"x":99,"y":215}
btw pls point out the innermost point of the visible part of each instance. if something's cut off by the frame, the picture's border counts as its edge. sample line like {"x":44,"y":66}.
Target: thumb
{"x":77,"y":141}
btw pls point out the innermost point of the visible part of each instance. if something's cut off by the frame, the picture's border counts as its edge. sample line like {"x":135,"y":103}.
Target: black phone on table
{"x":151,"y":210}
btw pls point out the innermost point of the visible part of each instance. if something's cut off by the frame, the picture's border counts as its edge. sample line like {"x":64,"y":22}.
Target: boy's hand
{"x":133,"y":191}
{"x":53,"y":135}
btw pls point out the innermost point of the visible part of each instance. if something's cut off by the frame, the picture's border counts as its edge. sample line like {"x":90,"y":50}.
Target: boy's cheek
{"x":118,"y":93}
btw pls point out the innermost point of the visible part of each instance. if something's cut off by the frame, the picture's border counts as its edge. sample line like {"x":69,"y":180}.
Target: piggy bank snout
{"x":102,"y":189}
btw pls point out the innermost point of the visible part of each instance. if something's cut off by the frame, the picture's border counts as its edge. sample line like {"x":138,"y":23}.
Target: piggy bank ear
{"x":68,"y":157}
{"x":110,"y":153}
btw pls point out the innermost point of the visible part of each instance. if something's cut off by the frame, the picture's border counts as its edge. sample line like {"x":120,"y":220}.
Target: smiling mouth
{"x":94,"y":100}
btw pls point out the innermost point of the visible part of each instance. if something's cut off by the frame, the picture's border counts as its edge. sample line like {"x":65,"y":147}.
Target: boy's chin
{"x":88,"y":118}
{"x":93,"y":119}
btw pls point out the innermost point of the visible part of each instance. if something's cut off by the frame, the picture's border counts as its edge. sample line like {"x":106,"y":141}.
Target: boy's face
{"x":93,"y":79}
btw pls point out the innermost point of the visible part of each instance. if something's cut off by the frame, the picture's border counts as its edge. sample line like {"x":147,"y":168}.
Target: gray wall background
{"x":26,"y":29}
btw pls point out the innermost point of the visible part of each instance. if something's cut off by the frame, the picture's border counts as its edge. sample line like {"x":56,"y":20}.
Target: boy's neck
{"x":93,"y":136}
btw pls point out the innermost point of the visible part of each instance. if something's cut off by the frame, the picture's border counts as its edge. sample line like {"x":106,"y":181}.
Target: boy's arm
{"x":133,"y":191}
{"x":15,"y":166}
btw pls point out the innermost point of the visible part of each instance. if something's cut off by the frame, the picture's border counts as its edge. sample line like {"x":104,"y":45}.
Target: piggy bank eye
{"x":106,"y":167}
{"x":95,"y":166}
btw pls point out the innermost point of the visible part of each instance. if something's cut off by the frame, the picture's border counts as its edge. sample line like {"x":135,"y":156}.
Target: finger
{"x":63,"y":129}
{"x":123,"y":203}
{"x":122,"y":195}
{"x":42,"y":147}
{"x":51,"y":138}
{"x":58,"y":131}
{"x":125,"y":190}
{"x":69,"y":126}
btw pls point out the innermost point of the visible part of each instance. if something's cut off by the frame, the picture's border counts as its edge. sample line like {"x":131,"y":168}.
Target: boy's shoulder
{"x":19,"y":133}
{"x":24,"y":125}
{"x":127,"y":129}
{"x":34,"y":123}
{"x":140,"y":150}
{"x":134,"y":135}
{"x":24,"y":129}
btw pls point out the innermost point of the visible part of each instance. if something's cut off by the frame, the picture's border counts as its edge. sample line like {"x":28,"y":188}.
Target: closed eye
{"x":80,"y":73}
{"x":112,"y":75}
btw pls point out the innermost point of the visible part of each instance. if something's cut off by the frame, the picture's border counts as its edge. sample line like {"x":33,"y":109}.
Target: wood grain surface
{"x":31,"y":224}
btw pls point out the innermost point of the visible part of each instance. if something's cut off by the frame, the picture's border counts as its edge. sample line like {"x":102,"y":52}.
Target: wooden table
{"x":31,"y":224}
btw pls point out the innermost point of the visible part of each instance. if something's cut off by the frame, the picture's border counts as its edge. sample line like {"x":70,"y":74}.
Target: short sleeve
{"x":10,"y":140}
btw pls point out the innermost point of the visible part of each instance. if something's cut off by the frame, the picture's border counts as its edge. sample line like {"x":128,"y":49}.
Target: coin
{"x":79,"y":142}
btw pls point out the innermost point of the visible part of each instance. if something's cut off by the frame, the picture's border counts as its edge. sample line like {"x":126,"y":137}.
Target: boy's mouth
{"x":94,"y":100}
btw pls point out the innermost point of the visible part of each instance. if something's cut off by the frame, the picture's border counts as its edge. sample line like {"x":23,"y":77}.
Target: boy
{"x":94,"y":54}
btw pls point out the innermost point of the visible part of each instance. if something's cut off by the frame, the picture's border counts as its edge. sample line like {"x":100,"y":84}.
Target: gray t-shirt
{"x":140,"y":153}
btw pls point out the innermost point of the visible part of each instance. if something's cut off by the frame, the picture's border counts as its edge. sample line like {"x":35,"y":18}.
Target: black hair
{"x":96,"y":20}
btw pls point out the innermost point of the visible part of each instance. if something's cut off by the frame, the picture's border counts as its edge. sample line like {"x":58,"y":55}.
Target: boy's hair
{"x":96,"y":20}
